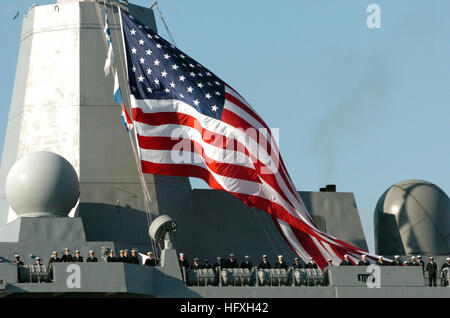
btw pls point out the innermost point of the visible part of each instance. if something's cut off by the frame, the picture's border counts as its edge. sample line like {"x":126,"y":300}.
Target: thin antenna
{"x":164,"y":22}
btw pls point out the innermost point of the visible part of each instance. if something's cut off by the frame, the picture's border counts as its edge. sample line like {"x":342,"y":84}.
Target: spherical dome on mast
{"x":42,"y":184}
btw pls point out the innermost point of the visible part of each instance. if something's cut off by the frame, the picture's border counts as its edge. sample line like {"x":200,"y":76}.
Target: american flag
{"x":191,"y":123}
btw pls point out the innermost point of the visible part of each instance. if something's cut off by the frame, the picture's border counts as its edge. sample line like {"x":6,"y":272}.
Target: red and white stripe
{"x":259,"y":178}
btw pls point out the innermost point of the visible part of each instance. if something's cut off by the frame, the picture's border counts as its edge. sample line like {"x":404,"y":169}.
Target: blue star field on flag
{"x":158,"y":70}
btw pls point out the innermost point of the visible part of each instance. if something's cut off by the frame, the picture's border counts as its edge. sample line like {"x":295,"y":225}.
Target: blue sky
{"x":361,"y":108}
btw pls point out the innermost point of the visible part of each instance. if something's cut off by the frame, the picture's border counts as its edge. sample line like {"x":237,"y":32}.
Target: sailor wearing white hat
{"x":346,"y":261}
{"x":432,"y":272}
{"x":231,"y":262}
{"x":67,"y":257}
{"x":77,"y":258}
{"x":265,"y":263}
{"x":311,"y":264}
{"x":297,"y":264}
{"x":17,"y":260}
{"x":397,"y":261}
{"x":363,"y":261}
{"x":280,"y":264}
{"x":150,"y":261}
{"x":182,"y":261}
{"x":246,"y":263}
{"x":91,"y":258}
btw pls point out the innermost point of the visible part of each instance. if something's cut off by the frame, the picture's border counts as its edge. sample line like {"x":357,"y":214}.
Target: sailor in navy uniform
{"x":67,"y":257}
{"x":219,"y":263}
{"x":297,"y":264}
{"x":134,"y":259}
{"x":280,"y":264}
{"x":231,"y":262}
{"x":346,"y":261}
{"x":363,"y":261}
{"x":381,"y":261}
{"x":150,"y":261}
{"x":18,"y":261}
{"x":265,"y":263}
{"x":246,"y":263}
{"x":311,"y":264}
{"x":183,"y":262}
{"x":206,"y":264}
{"x":121,"y":258}
{"x":53,"y":259}
{"x":397,"y":261}
{"x":432,"y":272}
{"x":77,"y":258}
{"x":91,"y":258}
{"x":111,"y":258}
{"x":196,"y":265}
{"x":413,"y":262}
{"x":326,"y":270}
{"x":126,"y":257}
{"x":444,"y":266}
{"x":421,"y":263}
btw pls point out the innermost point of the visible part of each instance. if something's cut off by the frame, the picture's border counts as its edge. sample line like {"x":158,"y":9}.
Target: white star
{"x":156,"y":81}
{"x":163,"y":73}
{"x":190,"y":89}
{"x":142,"y":60}
{"x":200,"y":85}
{"x":182,"y":56}
{"x":214,"y":108}
{"x":209,"y":83}
{"x":208,"y":96}
{"x":217,"y":93}
{"x":166,"y":56}
{"x":141,"y":78}
{"x":208,"y":74}
{"x":156,"y":62}
{"x":149,"y":90}
{"x":217,"y":83}
{"x":133,"y":31}
{"x":134,"y":68}
{"x":172,"y":84}
{"x":140,"y":27}
{"x":156,"y":36}
{"x":191,"y":65}
{"x":200,"y":74}
{"x":148,"y":52}
{"x":141,"y":42}
{"x":133,"y":50}
{"x":131,"y":17}
{"x":184,"y":64}
{"x":149,"y":71}
{"x":192,"y":74}
{"x":167,"y":90}
{"x":174,"y":67}
{"x":158,"y":46}
{"x":181,"y":78}
{"x":196,"y":102}
{"x":181,"y":95}
{"x":149,"y":36}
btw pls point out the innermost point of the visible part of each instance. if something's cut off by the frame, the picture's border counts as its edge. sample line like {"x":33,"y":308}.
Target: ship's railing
{"x":442,"y":278}
{"x":254,"y":277}
{"x":32,"y":273}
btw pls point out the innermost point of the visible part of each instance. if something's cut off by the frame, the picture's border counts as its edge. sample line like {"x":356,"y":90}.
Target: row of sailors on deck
{"x":124,"y":257}
{"x":281,"y":264}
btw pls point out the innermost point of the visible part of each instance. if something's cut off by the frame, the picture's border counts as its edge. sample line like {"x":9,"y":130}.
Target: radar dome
{"x":412,"y":217}
{"x":42,"y":184}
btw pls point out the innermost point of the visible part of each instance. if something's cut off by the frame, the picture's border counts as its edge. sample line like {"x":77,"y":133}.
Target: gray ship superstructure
{"x":63,"y":118}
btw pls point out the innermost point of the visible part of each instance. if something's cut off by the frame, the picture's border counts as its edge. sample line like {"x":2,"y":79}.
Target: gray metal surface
{"x":42,"y":184}
{"x":412,"y":217}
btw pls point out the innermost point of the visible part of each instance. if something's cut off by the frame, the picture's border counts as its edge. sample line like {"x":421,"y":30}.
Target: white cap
{"x":231,"y":255}
{"x":91,"y":251}
{"x":396,"y":256}
{"x":380,"y":257}
{"x":195,"y":259}
{"x":16,"y":255}
{"x":66,"y":249}
{"x":246,"y":256}
{"x":182,"y":254}
{"x":413,"y":256}
{"x":280,"y":256}
{"x":149,"y":253}
{"x":218,"y":257}
{"x":346,"y":255}
{"x":77,"y":251}
{"x":264,"y":256}
{"x":363,"y":255}
{"x":54,"y":252}
{"x":311,"y":258}
{"x":447,"y":259}
{"x":329,"y":260}
{"x":295,"y":258}
{"x":419,"y":256}
{"x":38,"y":258}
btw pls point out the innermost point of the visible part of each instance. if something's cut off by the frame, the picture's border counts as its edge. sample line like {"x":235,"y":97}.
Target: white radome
{"x":42,"y":184}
